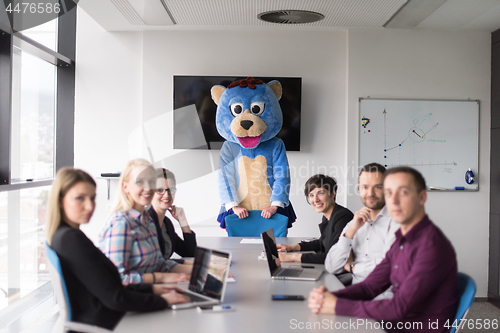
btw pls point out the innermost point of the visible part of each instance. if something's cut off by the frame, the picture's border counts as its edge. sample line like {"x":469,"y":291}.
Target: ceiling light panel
{"x":457,"y":14}
{"x":486,"y":22}
{"x":338,"y":13}
{"x":414,"y":12}
{"x":128,"y":12}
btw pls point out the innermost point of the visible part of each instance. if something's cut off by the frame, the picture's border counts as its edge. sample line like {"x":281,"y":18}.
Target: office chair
{"x":64,"y":322}
{"x":254,"y":225}
{"x":467,"y":291}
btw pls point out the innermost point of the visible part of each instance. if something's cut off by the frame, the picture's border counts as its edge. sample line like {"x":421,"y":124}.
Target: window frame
{"x":64,"y":60}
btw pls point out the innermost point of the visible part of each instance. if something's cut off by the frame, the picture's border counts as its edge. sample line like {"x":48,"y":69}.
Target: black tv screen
{"x":195,"y":109}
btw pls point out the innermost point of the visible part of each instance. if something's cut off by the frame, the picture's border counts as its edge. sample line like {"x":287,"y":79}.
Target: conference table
{"x":250,"y":297}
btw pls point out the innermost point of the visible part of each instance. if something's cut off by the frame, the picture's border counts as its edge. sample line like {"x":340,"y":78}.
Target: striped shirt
{"x":132,"y":245}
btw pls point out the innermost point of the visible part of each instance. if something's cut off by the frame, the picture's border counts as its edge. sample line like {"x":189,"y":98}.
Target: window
{"x":23,"y":265}
{"x":37,"y":82}
{"x":45,"y":34}
{"x":33,"y":118}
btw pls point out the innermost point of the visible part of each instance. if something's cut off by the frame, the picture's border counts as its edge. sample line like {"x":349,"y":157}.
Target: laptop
{"x":208,"y":278}
{"x":278,"y":272}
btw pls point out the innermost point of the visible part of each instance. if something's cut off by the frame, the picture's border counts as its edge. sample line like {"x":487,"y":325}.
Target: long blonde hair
{"x":65,"y":179}
{"x":123,"y":201}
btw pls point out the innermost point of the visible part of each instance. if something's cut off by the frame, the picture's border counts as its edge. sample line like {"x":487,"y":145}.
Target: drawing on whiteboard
{"x":364,"y":122}
{"x":416,"y":133}
{"x":438,"y":138}
{"x":424,"y":165}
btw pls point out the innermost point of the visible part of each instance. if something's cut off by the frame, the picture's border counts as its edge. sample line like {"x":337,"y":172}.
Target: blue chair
{"x":65,"y":323}
{"x":467,"y":291}
{"x":254,"y":225}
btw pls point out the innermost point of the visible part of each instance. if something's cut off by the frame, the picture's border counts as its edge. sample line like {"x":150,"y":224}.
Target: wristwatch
{"x":352,"y":265}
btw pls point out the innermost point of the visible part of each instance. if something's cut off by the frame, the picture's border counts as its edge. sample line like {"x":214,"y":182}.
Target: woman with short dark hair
{"x":320,"y":191}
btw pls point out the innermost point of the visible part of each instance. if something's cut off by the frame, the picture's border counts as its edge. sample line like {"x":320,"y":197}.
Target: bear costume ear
{"x":216,"y":93}
{"x":276,"y":87}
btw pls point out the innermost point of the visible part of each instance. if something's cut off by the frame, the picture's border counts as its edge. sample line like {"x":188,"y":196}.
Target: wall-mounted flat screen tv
{"x":194,"y":111}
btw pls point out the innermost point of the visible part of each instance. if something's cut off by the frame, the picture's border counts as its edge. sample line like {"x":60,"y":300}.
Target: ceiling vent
{"x":291,"y":16}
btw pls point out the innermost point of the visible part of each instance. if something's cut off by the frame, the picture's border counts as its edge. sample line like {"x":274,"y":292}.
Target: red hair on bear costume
{"x":249,"y":82}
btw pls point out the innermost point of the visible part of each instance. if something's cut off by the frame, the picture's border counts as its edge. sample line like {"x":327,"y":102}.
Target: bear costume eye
{"x":257,"y":108}
{"x":236,"y":109}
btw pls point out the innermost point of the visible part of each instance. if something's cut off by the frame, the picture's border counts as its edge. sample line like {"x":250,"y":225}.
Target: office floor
{"x":478,"y":310}
{"x":483,"y":311}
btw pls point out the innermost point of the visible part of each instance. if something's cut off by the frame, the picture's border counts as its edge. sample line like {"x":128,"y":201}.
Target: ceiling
{"x":139,"y":15}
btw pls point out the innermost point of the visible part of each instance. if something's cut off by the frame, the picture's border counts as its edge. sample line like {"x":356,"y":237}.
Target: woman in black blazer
{"x":162,"y":202}
{"x":94,"y":286}
{"x":320,"y":191}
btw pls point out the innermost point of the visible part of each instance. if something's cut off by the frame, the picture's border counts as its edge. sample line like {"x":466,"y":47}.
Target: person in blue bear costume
{"x":253,"y":167}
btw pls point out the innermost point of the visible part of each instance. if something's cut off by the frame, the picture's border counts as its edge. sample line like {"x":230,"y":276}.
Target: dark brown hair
{"x":417,"y":176}
{"x":323,"y":181}
{"x":372,"y":167}
{"x":165,"y":173}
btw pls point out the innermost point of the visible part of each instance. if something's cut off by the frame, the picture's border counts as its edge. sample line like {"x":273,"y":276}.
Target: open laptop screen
{"x":271,"y":250}
{"x":210,"y":270}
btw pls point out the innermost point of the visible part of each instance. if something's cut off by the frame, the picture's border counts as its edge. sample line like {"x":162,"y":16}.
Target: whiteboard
{"x":438,"y":138}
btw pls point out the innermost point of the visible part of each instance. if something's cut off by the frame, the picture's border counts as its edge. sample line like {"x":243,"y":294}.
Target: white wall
{"x":108,"y":103}
{"x":125,"y":80}
{"x":431,"y":65}
{"x":318,"y":57}
{"x":128,"y":83}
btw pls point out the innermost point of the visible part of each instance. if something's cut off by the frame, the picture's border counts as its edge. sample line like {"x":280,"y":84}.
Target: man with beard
{"x":421,"y":267}
{"x":365,"y":240}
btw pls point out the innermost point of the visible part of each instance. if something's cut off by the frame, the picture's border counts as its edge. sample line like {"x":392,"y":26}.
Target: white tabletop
{"x":250,"y":296}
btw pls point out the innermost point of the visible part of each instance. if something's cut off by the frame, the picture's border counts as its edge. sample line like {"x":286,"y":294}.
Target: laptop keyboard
{"x":289,"y":272}
{"x":195,"y":298}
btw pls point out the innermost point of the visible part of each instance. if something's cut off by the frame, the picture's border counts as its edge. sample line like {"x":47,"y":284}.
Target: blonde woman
{"x":93,"y":283}
{"x":129,"y":237}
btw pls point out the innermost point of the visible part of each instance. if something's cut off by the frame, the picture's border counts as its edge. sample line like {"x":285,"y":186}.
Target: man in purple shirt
{"x":421,"y":266}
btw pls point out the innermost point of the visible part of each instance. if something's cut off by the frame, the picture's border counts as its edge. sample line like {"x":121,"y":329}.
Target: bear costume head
{"x":248,"y":111}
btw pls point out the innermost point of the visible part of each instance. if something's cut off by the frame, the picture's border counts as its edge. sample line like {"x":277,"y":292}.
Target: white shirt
{"x":369,"y":245}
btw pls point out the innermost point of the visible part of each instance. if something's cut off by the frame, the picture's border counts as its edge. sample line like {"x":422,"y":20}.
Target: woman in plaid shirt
{"x":93,"y":284}
{"x":129,"y":237}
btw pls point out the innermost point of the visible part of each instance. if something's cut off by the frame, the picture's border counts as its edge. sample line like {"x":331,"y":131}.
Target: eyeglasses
{"x":169,"y":190}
